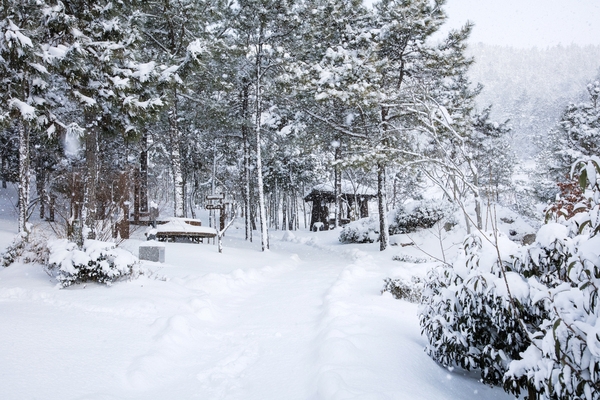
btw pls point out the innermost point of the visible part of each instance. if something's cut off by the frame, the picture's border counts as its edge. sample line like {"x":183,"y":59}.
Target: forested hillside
{"x":531,"y":87}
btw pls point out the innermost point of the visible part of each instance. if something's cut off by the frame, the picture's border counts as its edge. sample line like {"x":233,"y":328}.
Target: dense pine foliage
{"x":115,"y":104}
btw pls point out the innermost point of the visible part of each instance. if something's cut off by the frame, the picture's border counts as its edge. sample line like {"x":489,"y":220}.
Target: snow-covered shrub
{"x":468,"y":314}
{"x":27,"y":247}
{"x":407,"y":258}
{"x":14,"y":251}
{"x":97,"y":261}
{"x":563,"y":360}
{"x":420,"y":215}
{"x":404,"y":290}
{"x":532,"y":321}
{"x":365,"y":230}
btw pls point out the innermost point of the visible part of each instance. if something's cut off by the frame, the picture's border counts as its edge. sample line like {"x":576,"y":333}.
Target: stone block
{"x":152,"y":252}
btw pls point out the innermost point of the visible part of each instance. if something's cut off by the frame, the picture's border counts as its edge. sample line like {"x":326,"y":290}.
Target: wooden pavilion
{"x":355,"y":204}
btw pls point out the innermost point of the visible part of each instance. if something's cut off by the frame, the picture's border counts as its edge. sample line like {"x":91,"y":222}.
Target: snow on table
{"x":184,"y":228}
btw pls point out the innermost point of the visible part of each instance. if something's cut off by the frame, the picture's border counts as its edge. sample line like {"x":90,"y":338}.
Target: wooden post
{"x":222,"y":219}
{"x":124,"y":223}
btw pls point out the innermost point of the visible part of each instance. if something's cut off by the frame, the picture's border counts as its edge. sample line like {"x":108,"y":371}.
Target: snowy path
{"x":303,"y":321}
{"x":272,"y":333}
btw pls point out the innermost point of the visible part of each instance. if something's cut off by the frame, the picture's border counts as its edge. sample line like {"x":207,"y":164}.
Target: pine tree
{"x":575,"y":136}
{"x":377,"y":74}
{"x":24,"y":52}
{"x":102,"y":74}
{"x":264,"y":30}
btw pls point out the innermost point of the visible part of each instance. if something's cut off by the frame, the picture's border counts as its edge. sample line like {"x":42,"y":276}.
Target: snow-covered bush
{"x":365,"y":230}
{"x":407,"y":258}
{"x":405,"y":219}
{"x":532,"y":320}
{"x":403,"y":289}
{"x":27,"y":247}
{"x":563,"y":360}
{"x":97,"y":261}
{"x":467,"y":313}
{"x":14,"y":251}
{"x":420,"y":215}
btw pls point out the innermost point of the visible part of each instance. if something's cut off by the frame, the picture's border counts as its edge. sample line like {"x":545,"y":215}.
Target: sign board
{"x":215,"y":196}
{"x":213,"y":206}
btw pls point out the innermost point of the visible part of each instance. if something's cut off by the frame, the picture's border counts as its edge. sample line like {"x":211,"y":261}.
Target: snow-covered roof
{"x":348,"y":187}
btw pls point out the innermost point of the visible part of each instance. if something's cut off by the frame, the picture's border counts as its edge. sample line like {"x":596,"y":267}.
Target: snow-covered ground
{"x":305,"y":320}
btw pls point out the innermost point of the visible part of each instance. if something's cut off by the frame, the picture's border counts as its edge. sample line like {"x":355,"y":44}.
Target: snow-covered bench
{"x":183,"y":230}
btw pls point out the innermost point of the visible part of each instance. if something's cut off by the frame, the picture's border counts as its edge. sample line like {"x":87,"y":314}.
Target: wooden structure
{"x":355,"y":204}
{"x":183,"y":230}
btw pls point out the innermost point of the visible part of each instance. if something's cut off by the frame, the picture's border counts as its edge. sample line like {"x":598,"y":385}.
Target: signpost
{"x":217,"y":202}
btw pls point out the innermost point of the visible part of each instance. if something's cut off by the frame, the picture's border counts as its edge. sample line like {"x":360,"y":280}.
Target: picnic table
{"x":183,"y":230}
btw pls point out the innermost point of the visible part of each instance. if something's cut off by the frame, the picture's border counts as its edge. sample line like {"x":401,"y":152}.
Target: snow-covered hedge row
{"x":528,"y":319}
{"x":98,"y":262}
{"x":417,"y":215}
{"x":365,"y":230}
{"x":420,"y":215}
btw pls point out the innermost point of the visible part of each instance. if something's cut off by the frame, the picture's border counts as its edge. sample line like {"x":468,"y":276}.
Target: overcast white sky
{"x":527,"y":23}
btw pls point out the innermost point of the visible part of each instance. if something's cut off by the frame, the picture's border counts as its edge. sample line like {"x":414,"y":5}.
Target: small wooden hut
{"x":355,"y":204}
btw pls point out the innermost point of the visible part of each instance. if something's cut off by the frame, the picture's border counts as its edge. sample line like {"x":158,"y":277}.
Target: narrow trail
{"x":279,"y":324}
{"x":270,"y":333}
{"x":245,"y":333}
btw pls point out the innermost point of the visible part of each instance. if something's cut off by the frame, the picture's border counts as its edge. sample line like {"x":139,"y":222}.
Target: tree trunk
{"x":381,"y":200}
{"x":456,"y":195}
{"x":175,"y":137}
{"x":381,"y":197}
{"x":477,"y":202}
{"x":284,"y":211}
{"x":246,"y":140}
{"x":40,"y":182}
{"x":303,"y":206}
{"x":24,"y":175}
{"x":275,"y":213}
{"x":338,"y":184}
{"x":136,"y":196}
{"x":264,"y":236}
{"x":144,"y":174}
{"x":89,"y":212}
{"x":4,"y":171}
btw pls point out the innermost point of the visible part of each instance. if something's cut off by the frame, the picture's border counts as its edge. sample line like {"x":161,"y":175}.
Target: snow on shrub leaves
{"x":98,"y":262}
{"x":362,"y":231}
{"x":407,"y":258}
{"x":563,"y":360}
{"x":466,"y":313}
{"x":403,"y":289}
{"x":420,"y":215}
{"x":541,"y":337}
{"x":27,"y":247}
